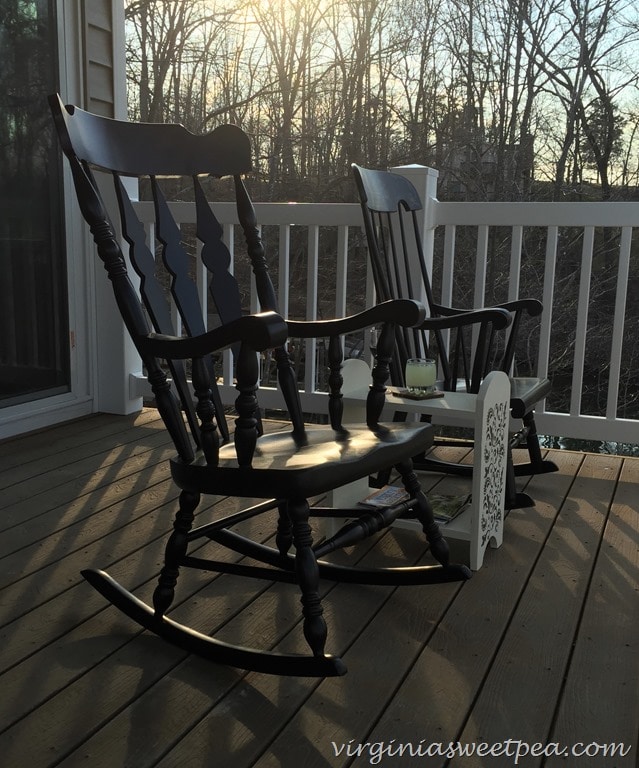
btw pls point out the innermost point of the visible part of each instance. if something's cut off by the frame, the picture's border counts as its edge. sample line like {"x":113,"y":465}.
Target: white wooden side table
{"x":488,"y":413}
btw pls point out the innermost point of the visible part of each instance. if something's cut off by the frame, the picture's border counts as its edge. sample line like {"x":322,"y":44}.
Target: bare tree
{"x":585,"y":66}
{"x":494,"y":93}
{"x":170,"y":51}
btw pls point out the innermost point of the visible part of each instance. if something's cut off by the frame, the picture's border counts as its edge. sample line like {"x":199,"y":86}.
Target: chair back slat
{"x":175,"y":259}
{"x":216,"y":257}
{"x":152,"y":294}
{"x":143,"y":262}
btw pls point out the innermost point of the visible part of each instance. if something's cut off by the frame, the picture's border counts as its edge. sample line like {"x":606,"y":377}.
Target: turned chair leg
{"x":536,"y":464}
{"x":284,"y":535}
{"x":307,"y":572}
{"x":175,"y":550}
{"x":532,"y":444}
{"x":424,"y":513}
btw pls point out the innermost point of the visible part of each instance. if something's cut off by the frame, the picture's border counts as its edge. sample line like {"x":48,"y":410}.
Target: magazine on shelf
{"x":406,"y":393}
{"x":385,"y":497}
{"x":447,"y":508}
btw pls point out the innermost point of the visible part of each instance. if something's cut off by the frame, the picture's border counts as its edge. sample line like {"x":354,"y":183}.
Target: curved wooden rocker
{"x":283,"y":469}
{"x":208,"y":647}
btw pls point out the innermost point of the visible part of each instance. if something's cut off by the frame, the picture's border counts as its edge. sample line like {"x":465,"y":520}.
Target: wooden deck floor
{"x":541,"y":645}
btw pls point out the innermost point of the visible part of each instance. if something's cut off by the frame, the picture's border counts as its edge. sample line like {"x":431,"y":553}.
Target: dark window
{"x":34,"y":348}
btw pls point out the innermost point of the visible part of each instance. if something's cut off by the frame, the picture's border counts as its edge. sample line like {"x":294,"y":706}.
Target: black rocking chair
{"x":281,"y":470}
{"x":389,"y":205}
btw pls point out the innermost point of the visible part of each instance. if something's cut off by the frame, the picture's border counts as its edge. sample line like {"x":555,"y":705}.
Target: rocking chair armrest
{"x":532,"y":307}
{"x":404,"y":312}
{"x":500,"y":317}
{"x":261,"y":331}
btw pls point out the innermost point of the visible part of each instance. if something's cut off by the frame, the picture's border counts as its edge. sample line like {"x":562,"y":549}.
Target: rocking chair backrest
{"x":161,"y":155}
{"x":390,"y":204}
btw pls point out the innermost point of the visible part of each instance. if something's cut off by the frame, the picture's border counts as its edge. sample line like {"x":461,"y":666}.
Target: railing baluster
{"x":255,"y":304}
{"x":481,"y":267}
{"x":448,"y":266}
{"x":481,"y":271}
{"x":514,"y":276}
{"x":201,"y":283}
{"x":516,"y":245}
{"x":341,"y":271}
{"x":341,"y":274}
{"x":284,"y":269}
{"x":310,"y":366}
{"x":448,"y":275}
{"x":227,"y":355}
{"x":549,"y":289}
{"x":582,"y":321}
{"x":612,"y":405}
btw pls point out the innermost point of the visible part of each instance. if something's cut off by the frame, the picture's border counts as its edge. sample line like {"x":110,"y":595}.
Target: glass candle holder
{"x":421,"y":375}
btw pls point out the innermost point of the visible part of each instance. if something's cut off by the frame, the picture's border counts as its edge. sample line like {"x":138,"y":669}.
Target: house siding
{"x":104,"y":63}
{"x":98,"y":27}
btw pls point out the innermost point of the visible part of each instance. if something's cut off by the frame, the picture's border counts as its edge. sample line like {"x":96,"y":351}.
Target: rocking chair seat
{"x":319,"y":462}
{"x":525,"y":393}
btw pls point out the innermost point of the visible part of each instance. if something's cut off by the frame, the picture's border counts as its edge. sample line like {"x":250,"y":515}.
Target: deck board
{"x":545,"y":620}
{"x":541,"y":645}
{"x":604,"y":667}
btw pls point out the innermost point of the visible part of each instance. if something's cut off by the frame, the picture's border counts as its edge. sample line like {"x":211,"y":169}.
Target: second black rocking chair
{"x":389,"y":205}
{"x":279,"y":471}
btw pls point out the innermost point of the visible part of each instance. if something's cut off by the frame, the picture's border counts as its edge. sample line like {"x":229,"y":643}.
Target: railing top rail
{"x":302,"y":214}
{"x":529,"y":214}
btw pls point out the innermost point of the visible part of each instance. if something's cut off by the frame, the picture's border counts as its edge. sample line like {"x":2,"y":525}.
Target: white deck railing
{"x":444,"y":225}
